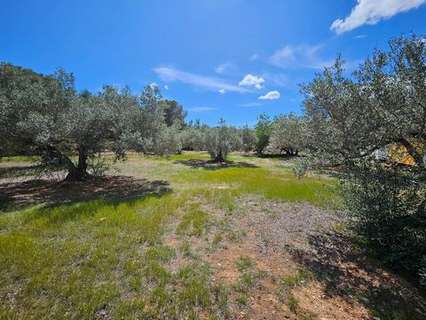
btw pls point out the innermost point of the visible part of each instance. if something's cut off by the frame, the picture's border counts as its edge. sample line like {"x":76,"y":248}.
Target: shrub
{"x":300,"y":168}
{"x":388,"y":207}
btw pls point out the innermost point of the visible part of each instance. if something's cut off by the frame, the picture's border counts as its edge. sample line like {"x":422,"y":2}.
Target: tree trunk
{"x":219,"y":158}
{"x":79,"y":172}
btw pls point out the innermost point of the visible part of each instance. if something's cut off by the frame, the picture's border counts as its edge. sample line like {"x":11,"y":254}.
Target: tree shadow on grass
{"x":346,"y":272}
{"x":19,"y":171}
{"x":19,"y":195}
{"x":212,"y":165}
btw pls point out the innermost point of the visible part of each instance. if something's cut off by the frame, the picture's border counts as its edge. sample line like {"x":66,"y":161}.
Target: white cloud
{"x":372,"y":11}
{"x":222,"y":68}
{"x":153,"y":85}
{"x":202,"y":109}
{"x":252,"y":81}
{"x":222,"y":91}
{"x":305,"y":56}
{"x":271,"y":95}
{"x":169,"y":74}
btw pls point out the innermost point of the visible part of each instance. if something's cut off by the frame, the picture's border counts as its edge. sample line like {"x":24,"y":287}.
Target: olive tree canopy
{"x":45,"y":115}
{"x":287,"y":135}
{"x":350,"y":116}
{"x":221,"y":140}
{"x":383,"y":102}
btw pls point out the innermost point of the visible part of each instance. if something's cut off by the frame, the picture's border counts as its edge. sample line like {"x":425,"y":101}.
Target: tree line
{"x":346,"y":118}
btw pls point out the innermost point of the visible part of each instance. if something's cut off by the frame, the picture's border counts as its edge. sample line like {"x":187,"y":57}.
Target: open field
{"x":181,"y":238}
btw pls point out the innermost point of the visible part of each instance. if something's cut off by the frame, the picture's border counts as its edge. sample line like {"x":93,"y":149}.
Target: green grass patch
{"x":280,"y":185}
{"x":20,"y":159}
{"x":194,"y":222}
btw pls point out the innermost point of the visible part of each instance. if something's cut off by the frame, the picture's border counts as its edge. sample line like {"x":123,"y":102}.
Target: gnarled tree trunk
{"x":219,"y":158}
{"x":79,"y":172}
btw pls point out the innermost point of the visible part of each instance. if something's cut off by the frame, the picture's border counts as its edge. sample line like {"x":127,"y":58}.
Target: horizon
{"x":218,"y":59}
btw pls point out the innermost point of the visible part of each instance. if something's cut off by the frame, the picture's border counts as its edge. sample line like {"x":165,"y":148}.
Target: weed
{"x":244,"y":263}
{"x":292,"y":303}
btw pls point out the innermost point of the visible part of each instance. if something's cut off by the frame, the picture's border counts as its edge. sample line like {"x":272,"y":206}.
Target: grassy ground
{"x":182,"y":239}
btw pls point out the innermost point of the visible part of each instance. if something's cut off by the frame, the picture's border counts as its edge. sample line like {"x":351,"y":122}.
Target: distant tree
{"x":174,"y":115}
{"x":193,"y":138}
{"x":155,"y":135}
{"x":220,"y":141}
{"x":288,"y":135}
{"x":263,"y":131}
{"x":248,"y":139}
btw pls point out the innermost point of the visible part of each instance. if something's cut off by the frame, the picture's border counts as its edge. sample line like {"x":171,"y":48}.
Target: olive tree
{"x":46,"y":116}
{"x":248,"y":139}
{"x":158,"y":128}
{"x":220,"y":141}
{"x":384,"y":102}
{"x":193,"y":138}
{"x":348,"y":117}
{"x":287,"y":135}
{"x":263,"y":131}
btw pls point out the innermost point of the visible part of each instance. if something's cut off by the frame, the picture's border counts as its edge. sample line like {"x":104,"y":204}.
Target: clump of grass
{"x":244,"y":263}
{"x":194,"y":222}
{"x":217,"y":239}
{"x":289,"y":282}
{"x":292,"y":303}
{"x":249,"y":278}
{"x":160,"y":253}
{"x":294,"y":280}
{"x":242,"y":299}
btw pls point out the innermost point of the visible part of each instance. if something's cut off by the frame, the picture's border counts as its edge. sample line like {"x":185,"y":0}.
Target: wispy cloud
{"x":201,"y":109}
{"x":372,"y":11}
{"x":170,"y":74}
{"x":271,"y":95}
{"x":277,"y":79}
{"x":223,"y":68}
{"x":299,"y":56}
{"x":250,"y":80}
{"x":360,"y":36}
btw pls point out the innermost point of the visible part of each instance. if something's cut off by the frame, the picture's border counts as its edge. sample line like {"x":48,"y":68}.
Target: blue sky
{"x":219,"y":58}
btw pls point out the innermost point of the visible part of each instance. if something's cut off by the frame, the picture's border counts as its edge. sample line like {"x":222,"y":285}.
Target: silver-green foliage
{"x":287,"y":135}
{"x":221,"y":140}
{"x":349,"y":117}
{"x":45,"y":115}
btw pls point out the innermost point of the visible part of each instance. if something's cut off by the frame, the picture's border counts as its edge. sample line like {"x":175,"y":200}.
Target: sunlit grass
{"x":20,"y":159}
{"x":78,"y":259}
{"x":263,"y":182}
